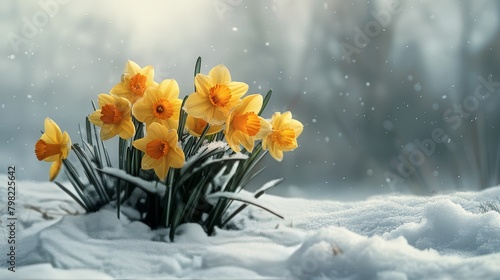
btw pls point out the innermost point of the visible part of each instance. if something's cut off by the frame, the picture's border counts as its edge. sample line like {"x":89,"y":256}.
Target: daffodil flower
{"x":53,"y":146}
{"x":244,"y":126}
{"x":195,"y":126}
{"x":135,"y":81}
{"x":113,"y":116}
{"x":160,"y":105}
{"x":216,"y":95}
{"x":283,"y":136}
{"x":161,"y":150}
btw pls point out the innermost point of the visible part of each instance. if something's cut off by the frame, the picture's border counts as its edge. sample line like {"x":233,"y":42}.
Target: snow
{"x":382,"y":237}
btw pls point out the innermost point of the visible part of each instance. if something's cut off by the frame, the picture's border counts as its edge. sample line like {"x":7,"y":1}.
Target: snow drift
{"x":383,"y":237}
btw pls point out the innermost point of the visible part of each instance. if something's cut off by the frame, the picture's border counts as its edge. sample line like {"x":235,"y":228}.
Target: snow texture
{"x":383,"y":237}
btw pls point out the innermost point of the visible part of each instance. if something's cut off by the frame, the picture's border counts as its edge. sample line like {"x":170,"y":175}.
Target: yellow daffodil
{"x":113,"y":116}
{"x":161,"y":150}
{"x":134,"y":82}
{"x":244,"y":126}
{"x":160,"y":105}
{"x":283,"y":136}
{"x":53,"y":146}
{"x":216,"y":95}
{"x":195,"y":126}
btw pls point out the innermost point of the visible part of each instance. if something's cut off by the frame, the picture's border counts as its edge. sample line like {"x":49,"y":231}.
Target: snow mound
{"x":383,"y":237}
{"x":450,"y":229}
{"x":337,"y":253}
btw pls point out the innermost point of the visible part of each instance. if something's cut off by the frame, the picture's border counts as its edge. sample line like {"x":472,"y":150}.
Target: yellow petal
{"x":232,"y":139}
{"x":197,"y":125}
{"x":171,"y":137}
{"x":282,"y":120}
{"x":264,"y":143}
{"x":285,"y":121}
{"x":149,"y":162}
{"x":54,"y":169}
{"x":123,"y":104}
{"x":149,"y":72}
{"x":142,"y":109}
{"x":52,"y":158}
{"x":120,"y":89}
{"x":107,"y":132}
{"x":157,"y":131}
{"x":216,"y":116}
{"x":238,"y":89}
{"x":276,"y":153}
{"x":203,"y":84}
{"x":197,"y":105}
{"x":265,"y":129}
{"x":67,"y":141}
{"x":161,"y":170}
{"x":177,"y":157}
{"x":169,"y":88}
{"x":297,"y":127}
{"x":131,"y":68}
{"x":52,"y":132}
{"x":127,"y":129}
{"x":95,"y":118}
{"x":247,"y":142}
{"x":251,"y":103}
{"x":170,"y":123}
{"x":103,"y":99}
{"x":140,"y":144}
{"x":176,"y":104}
{"x":220,"y":74}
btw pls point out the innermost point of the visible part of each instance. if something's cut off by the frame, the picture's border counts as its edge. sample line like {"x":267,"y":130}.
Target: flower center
{"x":110,"y":114}
{"x":220,"y":95}
{"x":138,"y":84}
{"x":284,"y":137}
{"x":163,"y":109}
{"x":44,"y":150}
{"x":248,"y":123}
{"x":157,"y":148}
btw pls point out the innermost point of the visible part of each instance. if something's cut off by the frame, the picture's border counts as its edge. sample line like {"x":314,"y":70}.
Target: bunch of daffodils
{"x":179,"y":160}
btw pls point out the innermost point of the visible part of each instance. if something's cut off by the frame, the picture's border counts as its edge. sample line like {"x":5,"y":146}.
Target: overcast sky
{"x":364,"y":78}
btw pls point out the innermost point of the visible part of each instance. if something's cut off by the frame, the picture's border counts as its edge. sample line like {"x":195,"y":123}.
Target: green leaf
{"x":188,"y":175}
{"x":176,"y":220}
{"x":197,"y":69}
{"x":252,"y":163}
{"x":257,"y":194}
{"x":118,"y":199}
{"x":88,"y":129}
{"x":74,"y":178}
{"x":81,"y":133}
{"x":267,"y":186}
{"x":247,"y":167}
{"x":254,"y":174}
{"x":122,"y":151}
{"x":182,"y":119}
{"x":90,"y":172}
{"x":197,"y":66}
{"x":168,"y":201}
{"x":216,"y":215}
{"x":150,"y":187}
{"x":200,"y":140}
{"x":97,"y":151}
{"x":266,"y":100}
{"x":238,"y":197}
{"x":72,"y":195}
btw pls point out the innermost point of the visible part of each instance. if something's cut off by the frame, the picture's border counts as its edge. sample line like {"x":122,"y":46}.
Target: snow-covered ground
{"x":383,"y":237}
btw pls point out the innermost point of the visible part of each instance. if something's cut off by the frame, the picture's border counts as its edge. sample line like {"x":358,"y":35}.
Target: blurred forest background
{"x":395,"y":95}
